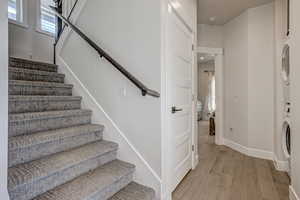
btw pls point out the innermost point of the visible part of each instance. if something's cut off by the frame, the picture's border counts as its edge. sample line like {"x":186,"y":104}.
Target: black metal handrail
{"x":60,"y":26}
{"x":145,"y":90}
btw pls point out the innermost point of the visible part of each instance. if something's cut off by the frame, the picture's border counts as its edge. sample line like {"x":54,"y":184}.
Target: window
{"x":15,"y":10}
{"x":47,"y":18}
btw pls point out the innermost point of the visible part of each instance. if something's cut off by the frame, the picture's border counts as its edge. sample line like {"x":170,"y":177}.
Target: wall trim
{"x":281,"y":165}
{"x":145,"y":174}
{"x":257,"y":153}
{"x":293,"y":194}
{"x":4,"y":194}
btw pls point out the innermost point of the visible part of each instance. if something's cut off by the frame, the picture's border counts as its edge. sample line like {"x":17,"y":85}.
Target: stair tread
{"x":52,"y":67}
{"x":134,"y":191}
{"x":44,"y":167}
{"x":40,"y":84}
{"x":24,"y":141}
{"x":47,"y":114}
{"x":42,"y":98}
{"x":91,"y":183}
{"x":34,"y":71}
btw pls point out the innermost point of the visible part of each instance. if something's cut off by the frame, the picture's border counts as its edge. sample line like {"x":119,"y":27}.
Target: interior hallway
{"x":224,"y":174}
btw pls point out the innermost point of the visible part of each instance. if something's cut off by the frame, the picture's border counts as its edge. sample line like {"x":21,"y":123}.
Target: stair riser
{"x":35,"y":77}
{"x":37,"y":187}
{"x":25,"y":65}
{"x":113,"y":189}
{"x":36,"y":125}
{"x":41,"y":106}
{"x":39,"y":90}
{"x":27,"y":154}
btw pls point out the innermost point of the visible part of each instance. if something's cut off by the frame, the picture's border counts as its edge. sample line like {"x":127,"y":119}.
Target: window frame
{"x":39,"y":21}
{"x":21,"y":15}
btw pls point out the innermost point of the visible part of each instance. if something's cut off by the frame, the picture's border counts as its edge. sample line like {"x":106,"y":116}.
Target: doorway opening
{"x":206,"y":101}
{"x":210,"y":108}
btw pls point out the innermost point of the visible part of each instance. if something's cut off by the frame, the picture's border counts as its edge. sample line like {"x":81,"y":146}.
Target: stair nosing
{"x":127,"y":188}
{"x":40,"y":84}
{"x":43,"y":136}
{"x":129,"y":169}
{"x":21,"y":98}
{"x":47,"y":115}
{"x":38,"y":72}
{"x":66,"y":165}
{"x":33,"y":62}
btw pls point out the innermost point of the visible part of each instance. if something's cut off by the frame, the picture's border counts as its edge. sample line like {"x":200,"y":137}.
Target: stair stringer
{"x":144,"y":173}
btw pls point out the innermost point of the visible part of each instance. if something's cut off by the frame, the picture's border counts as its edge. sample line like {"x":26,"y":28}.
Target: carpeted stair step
{"x":35,"y":75}
{"x":99,"y":184}
{"x":26,"y":148}
{"x":28,"y":180}
{"x":135,"y":191}
{"x":29,"y":64}
{"x":22,"y":104}
{"x":39,"y":88}
{"x":28,"y":123}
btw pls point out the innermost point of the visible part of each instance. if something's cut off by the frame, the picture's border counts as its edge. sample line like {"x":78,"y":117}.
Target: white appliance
{"x":286,"y":125}
{"x":286,"y":138}
{"x":285,"y":69}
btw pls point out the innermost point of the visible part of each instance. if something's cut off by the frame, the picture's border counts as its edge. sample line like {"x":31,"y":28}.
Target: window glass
{"x":48,"y":19}
{"x":15,"y":10}
{"x":12,"y":9}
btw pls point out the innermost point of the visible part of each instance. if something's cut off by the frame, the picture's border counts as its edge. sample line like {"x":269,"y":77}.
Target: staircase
{"x":55,"y":153}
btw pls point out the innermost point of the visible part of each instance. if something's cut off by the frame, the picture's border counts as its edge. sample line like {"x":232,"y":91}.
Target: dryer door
{"x":286,"y":64}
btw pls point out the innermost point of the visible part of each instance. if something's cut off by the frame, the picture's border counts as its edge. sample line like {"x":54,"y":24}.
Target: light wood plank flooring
{"x":224,"y":174}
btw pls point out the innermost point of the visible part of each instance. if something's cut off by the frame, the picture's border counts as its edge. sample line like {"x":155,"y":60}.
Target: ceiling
{"x":219,"y":12}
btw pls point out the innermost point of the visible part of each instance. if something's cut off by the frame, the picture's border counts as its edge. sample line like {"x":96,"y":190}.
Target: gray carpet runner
{"x":54,"y":151}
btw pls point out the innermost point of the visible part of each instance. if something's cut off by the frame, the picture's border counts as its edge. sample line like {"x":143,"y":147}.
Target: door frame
{"x":4,"y":62}
{"x":219,"y":76}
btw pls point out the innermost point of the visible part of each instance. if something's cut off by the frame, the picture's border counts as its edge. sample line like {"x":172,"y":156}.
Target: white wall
{"x":295,"y":95}
{"x":249,"y":80}
{"x":186,"y":10}
{"x":210,"y":36}
{"x":236,"y":79}
{"x":133,"y":38}
{"x":26,"y":42}
{"x":261,"y":77}
{"x":3,"y":99}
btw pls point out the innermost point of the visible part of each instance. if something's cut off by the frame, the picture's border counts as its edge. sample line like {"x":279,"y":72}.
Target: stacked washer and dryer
{"x":286,"y":125}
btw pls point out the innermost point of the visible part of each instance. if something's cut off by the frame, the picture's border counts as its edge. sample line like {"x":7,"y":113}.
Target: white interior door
{"x":179,"y":94}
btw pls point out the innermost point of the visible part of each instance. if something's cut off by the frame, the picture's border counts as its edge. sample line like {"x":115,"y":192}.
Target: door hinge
{"x":193,"y":97}
{"x":192,"y":47}
{"x":193,"y":147}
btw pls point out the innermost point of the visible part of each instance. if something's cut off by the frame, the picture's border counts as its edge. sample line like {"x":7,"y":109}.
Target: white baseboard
{"x":281,"y":165}
{"x":144,"y":174}
{"x":4,"y":194}
{"x":166,"y":196}
{"x":196,"y":161}
{"x":257,"y":153}
{"x":293,"y":195}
